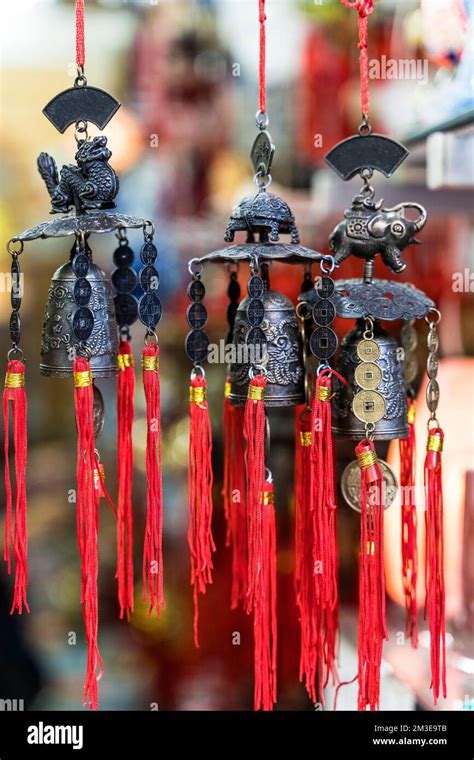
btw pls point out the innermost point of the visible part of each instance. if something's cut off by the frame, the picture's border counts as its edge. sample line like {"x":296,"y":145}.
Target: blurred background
{"x":186,"y":74}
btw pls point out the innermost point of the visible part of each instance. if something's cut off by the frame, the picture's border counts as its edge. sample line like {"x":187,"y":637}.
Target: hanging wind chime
{"x":266,"y":371}
{"x":373,"y":391}
{"x":86,"y":336}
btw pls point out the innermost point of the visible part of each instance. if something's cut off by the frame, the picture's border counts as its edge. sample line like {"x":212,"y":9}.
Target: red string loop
{"x":80,"y":37}
{"x":364,"y":8}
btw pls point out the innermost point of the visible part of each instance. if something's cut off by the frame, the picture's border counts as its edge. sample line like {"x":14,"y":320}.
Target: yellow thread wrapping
{"x":99,"y":476}
{"x":255,"y":392}
{"x":366,"y":459}
{"x":411,"y":415}
{"x":324,"y":392}
{"x":14,"y":380}
{"x":305,"y":438}
{"x":82,"y":379}
{"x":268,"y":497}
{"x":197,"y":394}
{"x":227,"y":389}
{"x":435,"y":443}
{"x":126,"y":360}
{"x":151,"y":363}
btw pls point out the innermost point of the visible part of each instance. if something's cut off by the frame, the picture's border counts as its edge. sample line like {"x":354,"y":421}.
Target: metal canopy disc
{"x":85,"y":223}
{"x":290,"y":253}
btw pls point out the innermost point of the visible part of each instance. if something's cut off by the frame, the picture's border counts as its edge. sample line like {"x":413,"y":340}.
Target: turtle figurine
{"x":261,"y":213}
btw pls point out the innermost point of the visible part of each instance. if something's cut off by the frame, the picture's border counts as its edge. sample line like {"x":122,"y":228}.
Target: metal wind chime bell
{"x":282,"y":356}
{"x":86,"y":336}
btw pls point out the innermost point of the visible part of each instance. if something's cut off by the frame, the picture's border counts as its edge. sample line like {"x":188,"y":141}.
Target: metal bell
{"x":280,"y":355}
{"x":57,"y":341}
{"x":392,"y":387}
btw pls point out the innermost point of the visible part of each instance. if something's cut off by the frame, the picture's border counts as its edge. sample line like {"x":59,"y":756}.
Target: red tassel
{"x":18,"y":538}
{"x":309,"y":612}
{"x":265,"y":615}
{"x":87,"y":524}
{"x":200,"y":478}
{"x":254,"y":432}
{"x":323,"y":508}
{"x":372,"y":627}
{"x":153,"y":594}
{"x":407,"y":448}
{"x":234,"y":496}
{"x":261,"y":592}
{"x":125,"y":413}
{"x":434,"y":561}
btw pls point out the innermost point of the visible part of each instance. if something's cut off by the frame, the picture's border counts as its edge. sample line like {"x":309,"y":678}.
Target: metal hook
{"x":191,"y":264}
{"x":194,"y":371}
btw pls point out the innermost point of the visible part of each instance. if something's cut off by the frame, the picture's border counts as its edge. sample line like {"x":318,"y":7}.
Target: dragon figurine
{"x":92,"y":184}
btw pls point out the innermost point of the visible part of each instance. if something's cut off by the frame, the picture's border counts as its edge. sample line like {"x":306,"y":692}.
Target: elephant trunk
{"x":419,"y":223}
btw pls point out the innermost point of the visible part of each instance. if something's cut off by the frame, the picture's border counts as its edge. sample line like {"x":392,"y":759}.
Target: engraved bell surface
{"x":57,"y":340}
{"x":391,"y":387}
{"x":280,"y":353}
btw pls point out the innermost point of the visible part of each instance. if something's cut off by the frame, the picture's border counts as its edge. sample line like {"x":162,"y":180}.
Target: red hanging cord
{"x":152,"y":570}
{"x":372,"y":626}
{"x":200,"y":478}
{"x":80,"y":38}
{"x":125,"y":413}
{"x":88,"y":524}
{"x":261,"y":66}
{"x":407,"y":447}
{"x":364,"y":8}
{"x":434,"y":561}
{"x":14,"y":396}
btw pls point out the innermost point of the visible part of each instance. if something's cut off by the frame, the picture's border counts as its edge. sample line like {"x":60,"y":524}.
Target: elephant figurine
{"x":369,"y":229}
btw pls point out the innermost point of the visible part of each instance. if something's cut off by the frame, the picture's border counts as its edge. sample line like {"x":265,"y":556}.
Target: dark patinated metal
{"x":150,"y":310}
{"x":265,"y":214}
{"x":289,"y":253}
{"x":124,"y":279}
{"x":123,"y":256}
{"x":196,"y":315}
{"x":148,"y":253}
{"x":196,"y":290}
{"x":282,"y":358}
{"x":99,"y":413}
{"x":149,"y":278}
{"x":369,"y":229}
{"x":126,"y":309}
{"x":391,"y":388}
{"x":58,"y":341}
{"x":351,"y":156}
{"x":196,"y":345}
{"x":262,"y":153}
{"x":93,"y":221}
{"x":92,"y":184}
{"x":381,"y":299}
{"x":81,"y":104}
